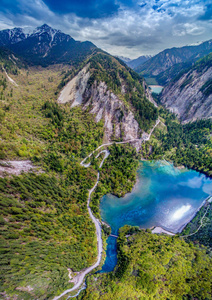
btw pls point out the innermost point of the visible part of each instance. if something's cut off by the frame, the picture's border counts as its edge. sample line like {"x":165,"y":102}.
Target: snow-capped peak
{"x":28,"y":30}
{"x":45,"y":29}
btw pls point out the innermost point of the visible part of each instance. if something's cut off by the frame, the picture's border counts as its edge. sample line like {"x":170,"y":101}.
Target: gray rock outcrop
{"x":99,"y":100}
{"x":189,"y":96}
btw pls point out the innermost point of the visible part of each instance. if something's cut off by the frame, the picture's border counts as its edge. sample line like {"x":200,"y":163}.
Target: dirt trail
{"x":201,"y":224}
{"x":78,"y":280}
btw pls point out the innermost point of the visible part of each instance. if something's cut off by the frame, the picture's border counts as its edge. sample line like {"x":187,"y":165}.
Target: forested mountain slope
{"x":114,"y":93}
{"x":134,"y":63}
{"x":170,"y":57}
{"x":45,"y":226}
{"x":166,"y":76}
{"x":189,"y":94}
{"x":10,"y":62}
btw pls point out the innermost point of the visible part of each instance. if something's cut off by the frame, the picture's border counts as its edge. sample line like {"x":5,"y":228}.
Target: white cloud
{"x":194,"y":29}
{"x":188,"y":29}
{"x":130,"y":32}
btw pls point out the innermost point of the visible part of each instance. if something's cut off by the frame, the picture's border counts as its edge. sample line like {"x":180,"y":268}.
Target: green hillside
{"x":189,"y":145}
{"x":45,"y":226}
{"x":10,"y":62}
{"x":153,"y":267}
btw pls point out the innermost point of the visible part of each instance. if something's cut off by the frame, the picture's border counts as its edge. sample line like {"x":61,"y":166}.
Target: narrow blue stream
{"x":163,"y":196}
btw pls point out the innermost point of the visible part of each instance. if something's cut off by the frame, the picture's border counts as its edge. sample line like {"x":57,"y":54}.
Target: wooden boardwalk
{"x":113,"y":235}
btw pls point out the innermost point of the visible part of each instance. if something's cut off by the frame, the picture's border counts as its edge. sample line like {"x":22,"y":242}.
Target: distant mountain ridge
{"x":124,"y":59}
{"x":134,"y":63}
{"x":170,"y":57}
{"x":16,"y":35}
{"x":11,"y":36}
{"x":45,"y":45}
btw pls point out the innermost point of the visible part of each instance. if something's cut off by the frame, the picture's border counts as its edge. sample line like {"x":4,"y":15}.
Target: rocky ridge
{"x":104,"y":104}
{"x":170,"y":57}
{"x":45,"y":45}
{"x":134,"y":63}
{"x":189,"y":95}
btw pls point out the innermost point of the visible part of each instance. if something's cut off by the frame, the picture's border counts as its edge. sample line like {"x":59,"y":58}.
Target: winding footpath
{"x":201,"y":224}
{"x":78,"y":279}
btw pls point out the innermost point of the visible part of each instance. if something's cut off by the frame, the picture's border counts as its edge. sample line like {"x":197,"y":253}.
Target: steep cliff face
{"x":119,"y":121}
{"x":92,"y":89}
{"x":190,"y":94}
{"x":75,"y":88}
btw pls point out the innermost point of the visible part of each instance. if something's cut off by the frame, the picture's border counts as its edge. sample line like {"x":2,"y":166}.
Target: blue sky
{"x":129,"y":28}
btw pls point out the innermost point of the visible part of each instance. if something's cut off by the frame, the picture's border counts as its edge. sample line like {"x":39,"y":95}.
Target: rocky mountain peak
{"x":103,"y":88}
{"x":44,"y":45}
{"x":11,"y":36}
{"x":15,"y":35}
{"x":46,"y":29}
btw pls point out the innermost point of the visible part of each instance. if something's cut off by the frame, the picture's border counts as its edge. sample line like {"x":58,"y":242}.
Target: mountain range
{"x":134,"y":63}
{"x":166,"y":62}
{"x":45,"y":46}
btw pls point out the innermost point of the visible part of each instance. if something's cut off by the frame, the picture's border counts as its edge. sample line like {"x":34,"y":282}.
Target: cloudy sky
{"x":127,"y":27}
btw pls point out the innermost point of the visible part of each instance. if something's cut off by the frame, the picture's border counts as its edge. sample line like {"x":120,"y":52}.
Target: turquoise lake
{"x":163,"y":196}
{"x":156,"y":88}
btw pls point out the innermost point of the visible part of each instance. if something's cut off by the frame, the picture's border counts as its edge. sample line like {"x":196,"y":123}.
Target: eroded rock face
{"x":186,"y":96}
{"x":119,"y":121}
{"x":13,"y":167}
{"x":74,"y":89}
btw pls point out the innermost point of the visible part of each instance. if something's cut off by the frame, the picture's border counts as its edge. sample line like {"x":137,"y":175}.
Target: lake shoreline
{"x":158,"y":201}
{"x":155,"y":88}
{"x":194,"y":214}
{"x":162,"y":228}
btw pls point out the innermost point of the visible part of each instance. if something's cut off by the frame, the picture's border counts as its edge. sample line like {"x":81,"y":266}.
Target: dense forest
{"x":153,"y":266}
{"x":45,"y":226}
{"x":46,"y":213}
{"x":189,"y":145}
{"x":118,"y":174}
{"x":199,"y":230}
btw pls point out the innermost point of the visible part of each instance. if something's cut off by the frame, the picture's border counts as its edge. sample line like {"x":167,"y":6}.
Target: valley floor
{"x":78,"y":280}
